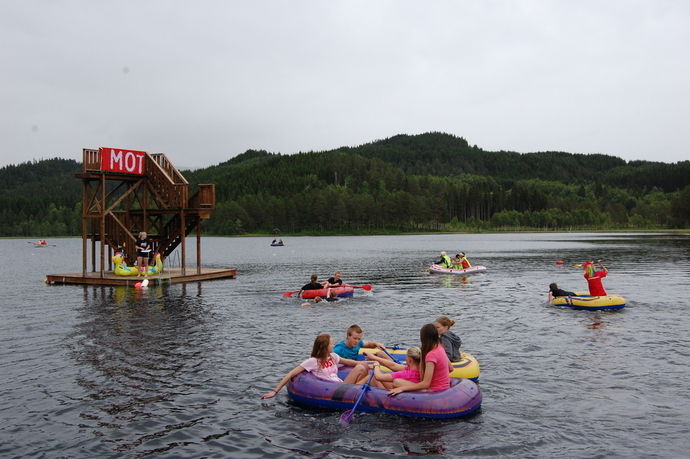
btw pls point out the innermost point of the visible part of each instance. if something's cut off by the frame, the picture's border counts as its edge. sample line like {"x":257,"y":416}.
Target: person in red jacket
{"x":594,"y":277}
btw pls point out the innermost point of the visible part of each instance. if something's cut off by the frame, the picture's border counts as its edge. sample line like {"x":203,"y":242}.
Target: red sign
{"x":125,"y":161}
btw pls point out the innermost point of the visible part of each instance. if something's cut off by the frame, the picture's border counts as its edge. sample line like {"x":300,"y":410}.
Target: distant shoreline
{"x":387,"y":233}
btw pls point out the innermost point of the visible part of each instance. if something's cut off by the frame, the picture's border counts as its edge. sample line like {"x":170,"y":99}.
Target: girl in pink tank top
{"x":435,"y":368}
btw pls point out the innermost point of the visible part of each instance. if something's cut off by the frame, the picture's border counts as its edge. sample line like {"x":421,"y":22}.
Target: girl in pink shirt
{"x":435,"y":369}
{"x":323,"y":364}
{"x":401,"y":373}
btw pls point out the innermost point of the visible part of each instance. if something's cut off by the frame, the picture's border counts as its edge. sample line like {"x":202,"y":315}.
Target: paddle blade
{"x":347,"y":417}
{"x":287,"y":294}
{"x":367,"y":287}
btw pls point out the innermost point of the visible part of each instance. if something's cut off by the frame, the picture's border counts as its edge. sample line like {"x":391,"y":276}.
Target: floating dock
{"x":169,"y":276}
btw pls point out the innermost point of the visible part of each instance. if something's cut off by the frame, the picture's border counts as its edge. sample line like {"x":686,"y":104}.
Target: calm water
{"x":178,"y":371}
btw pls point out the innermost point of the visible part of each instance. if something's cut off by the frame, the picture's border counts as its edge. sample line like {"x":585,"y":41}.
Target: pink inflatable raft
{"x":443,"y":270}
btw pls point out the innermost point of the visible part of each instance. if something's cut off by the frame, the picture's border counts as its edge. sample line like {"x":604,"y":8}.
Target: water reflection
{"x":140,"y":353}
{"x":596,"y":322}
{"x":452,"y":280}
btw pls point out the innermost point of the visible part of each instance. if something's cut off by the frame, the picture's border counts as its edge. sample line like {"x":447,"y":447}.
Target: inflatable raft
{"x":588,"y":302}
{"x":121,"y":268}
{"x":442,"y":269}
{"x":325,"y":292}
{"x":467,"y":367}
{"x":461,"y":399}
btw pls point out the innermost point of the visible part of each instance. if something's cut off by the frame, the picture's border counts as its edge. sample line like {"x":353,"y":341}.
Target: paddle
{"x":580,"y":265}
{"x":287,"y":294}
{"x":365,"y":287}
{"x":349,"y":415}
{"x":388,"y":354}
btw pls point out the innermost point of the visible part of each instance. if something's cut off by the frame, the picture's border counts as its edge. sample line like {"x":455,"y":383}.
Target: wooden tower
{"x":125,"y":192}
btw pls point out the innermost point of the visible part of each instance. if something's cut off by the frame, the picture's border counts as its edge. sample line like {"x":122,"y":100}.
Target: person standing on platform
{"x":143,"y":246}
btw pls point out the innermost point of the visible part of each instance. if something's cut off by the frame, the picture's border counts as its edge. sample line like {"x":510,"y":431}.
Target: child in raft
{"x":460,"y":261}
{"x":435,"y":368}
{"x":323,"y":364}
{"x":450,"y":341}
{"x":408,"y":372}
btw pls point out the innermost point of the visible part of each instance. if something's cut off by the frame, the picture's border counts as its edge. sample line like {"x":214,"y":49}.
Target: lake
{"x":177,"y":371}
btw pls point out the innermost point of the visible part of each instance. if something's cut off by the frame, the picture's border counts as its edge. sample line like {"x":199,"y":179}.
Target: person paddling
{"x":312,"y":285}
{"x":353,"y":342}
{"x":335,"y":281}
{"x":408,"y":372}
{"x":594,"y":277}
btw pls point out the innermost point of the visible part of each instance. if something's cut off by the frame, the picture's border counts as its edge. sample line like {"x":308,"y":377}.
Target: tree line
{"x":428,"y":182}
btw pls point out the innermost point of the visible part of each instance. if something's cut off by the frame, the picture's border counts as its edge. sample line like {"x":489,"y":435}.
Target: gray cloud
{"x":204,"y":81}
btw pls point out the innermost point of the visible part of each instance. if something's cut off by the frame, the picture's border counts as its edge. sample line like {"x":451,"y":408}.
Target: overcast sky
{"x":203,"y":81}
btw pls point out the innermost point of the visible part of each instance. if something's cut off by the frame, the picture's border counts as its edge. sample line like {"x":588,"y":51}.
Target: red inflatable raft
{"x":326,"y":292}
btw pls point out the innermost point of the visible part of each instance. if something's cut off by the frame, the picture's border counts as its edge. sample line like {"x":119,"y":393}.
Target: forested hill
{"x":425,"y":182}
{"x":442,"y":154}
{"x":40,"y":198}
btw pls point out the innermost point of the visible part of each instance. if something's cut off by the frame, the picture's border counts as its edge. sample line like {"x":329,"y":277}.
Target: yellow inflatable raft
{"x":583,"y":300}
{"x":467,"y":367}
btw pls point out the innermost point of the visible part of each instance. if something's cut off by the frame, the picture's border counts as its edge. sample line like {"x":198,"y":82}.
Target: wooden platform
{"x":170,"y":276}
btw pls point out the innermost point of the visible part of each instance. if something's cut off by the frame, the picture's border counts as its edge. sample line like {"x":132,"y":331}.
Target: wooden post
{"x":183,"y":241}
{"x":84,"y":228}
{"x":146,"y":205}
{"x":102,"y":228}
{"x":198,"y":246}
{"x":93,"y":246}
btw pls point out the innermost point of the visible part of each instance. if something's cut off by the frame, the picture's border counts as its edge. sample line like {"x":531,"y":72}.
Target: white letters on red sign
{"x":126,"y":161}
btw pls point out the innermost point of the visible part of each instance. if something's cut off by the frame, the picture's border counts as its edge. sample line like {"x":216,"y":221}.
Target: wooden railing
{"x":205,"y":197}
{"x":116,"y":229}
{"x":169,"y":237}
{"x":92,"y":160}
{"x":169,"y":168}
{"x":174,"y":195}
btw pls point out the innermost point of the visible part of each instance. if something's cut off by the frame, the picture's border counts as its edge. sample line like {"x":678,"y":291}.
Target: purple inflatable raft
{"x":461,"y":399}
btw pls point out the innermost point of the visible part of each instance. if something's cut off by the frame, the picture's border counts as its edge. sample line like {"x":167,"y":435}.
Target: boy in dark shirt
{"x":555,"y":292}
{"x":313,"y":285}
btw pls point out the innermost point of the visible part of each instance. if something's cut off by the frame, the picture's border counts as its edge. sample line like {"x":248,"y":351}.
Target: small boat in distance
{"x":277,"y":243}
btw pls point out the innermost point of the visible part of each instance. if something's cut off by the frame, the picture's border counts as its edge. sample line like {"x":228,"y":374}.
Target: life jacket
{"x":465,"y":263}
{"x":446,"y":261}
